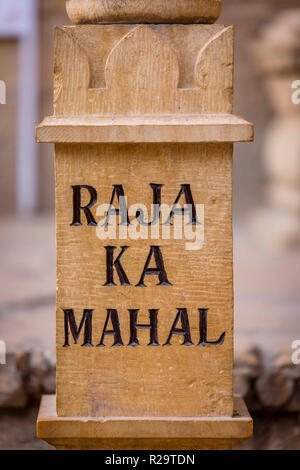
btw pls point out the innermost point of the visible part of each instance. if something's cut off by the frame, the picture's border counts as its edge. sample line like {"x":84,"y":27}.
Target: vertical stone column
{"x":277,"y":56}
{"x":144,"y":131}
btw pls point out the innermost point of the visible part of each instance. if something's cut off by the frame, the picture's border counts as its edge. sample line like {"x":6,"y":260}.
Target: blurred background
{"x":266,"y":217}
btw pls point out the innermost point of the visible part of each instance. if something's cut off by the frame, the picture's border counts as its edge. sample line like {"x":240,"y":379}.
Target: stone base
{"x":82,"y":433}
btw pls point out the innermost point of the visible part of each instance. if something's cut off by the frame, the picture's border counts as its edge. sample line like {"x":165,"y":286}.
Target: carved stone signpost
{"x":144,"y":131}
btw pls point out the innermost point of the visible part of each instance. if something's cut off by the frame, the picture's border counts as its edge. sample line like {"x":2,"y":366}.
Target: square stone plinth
{"x":138,"y":433}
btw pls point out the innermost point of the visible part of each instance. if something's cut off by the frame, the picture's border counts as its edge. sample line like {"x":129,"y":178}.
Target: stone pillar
{"x":144,"y":131}
{"x":276,"y":53}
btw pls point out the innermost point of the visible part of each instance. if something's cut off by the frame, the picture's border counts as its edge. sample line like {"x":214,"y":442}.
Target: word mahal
{"x":112,"y":328}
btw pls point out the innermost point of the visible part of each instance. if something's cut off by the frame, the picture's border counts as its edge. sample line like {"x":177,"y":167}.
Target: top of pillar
{"x":143,"y":11}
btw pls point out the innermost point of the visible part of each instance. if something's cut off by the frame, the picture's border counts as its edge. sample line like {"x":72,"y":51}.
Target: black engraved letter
{"x":203,"y":330}
{"x":112,"y":315}
{"x":77,"y":206}
{"x":86,"y":321}
{"x":158,"y":271}
{"x":186,"y":190}
{"x":184,"y":331}
{"x":152,"y":327}
{"x":110,"y":264}
{"x":123,"y":211}
{"x":156,"y":188}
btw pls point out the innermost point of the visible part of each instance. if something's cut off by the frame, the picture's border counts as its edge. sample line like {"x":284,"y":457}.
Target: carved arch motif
{"x":142,"y":77}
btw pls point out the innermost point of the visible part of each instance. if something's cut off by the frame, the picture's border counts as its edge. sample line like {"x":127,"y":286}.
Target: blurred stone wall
{"x":52,"y":13}
{"x":249,"y":16}
{"x":8,"y":73}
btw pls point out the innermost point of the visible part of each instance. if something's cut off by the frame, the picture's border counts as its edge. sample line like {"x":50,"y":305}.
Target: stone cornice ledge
{"x":145,"y":129}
